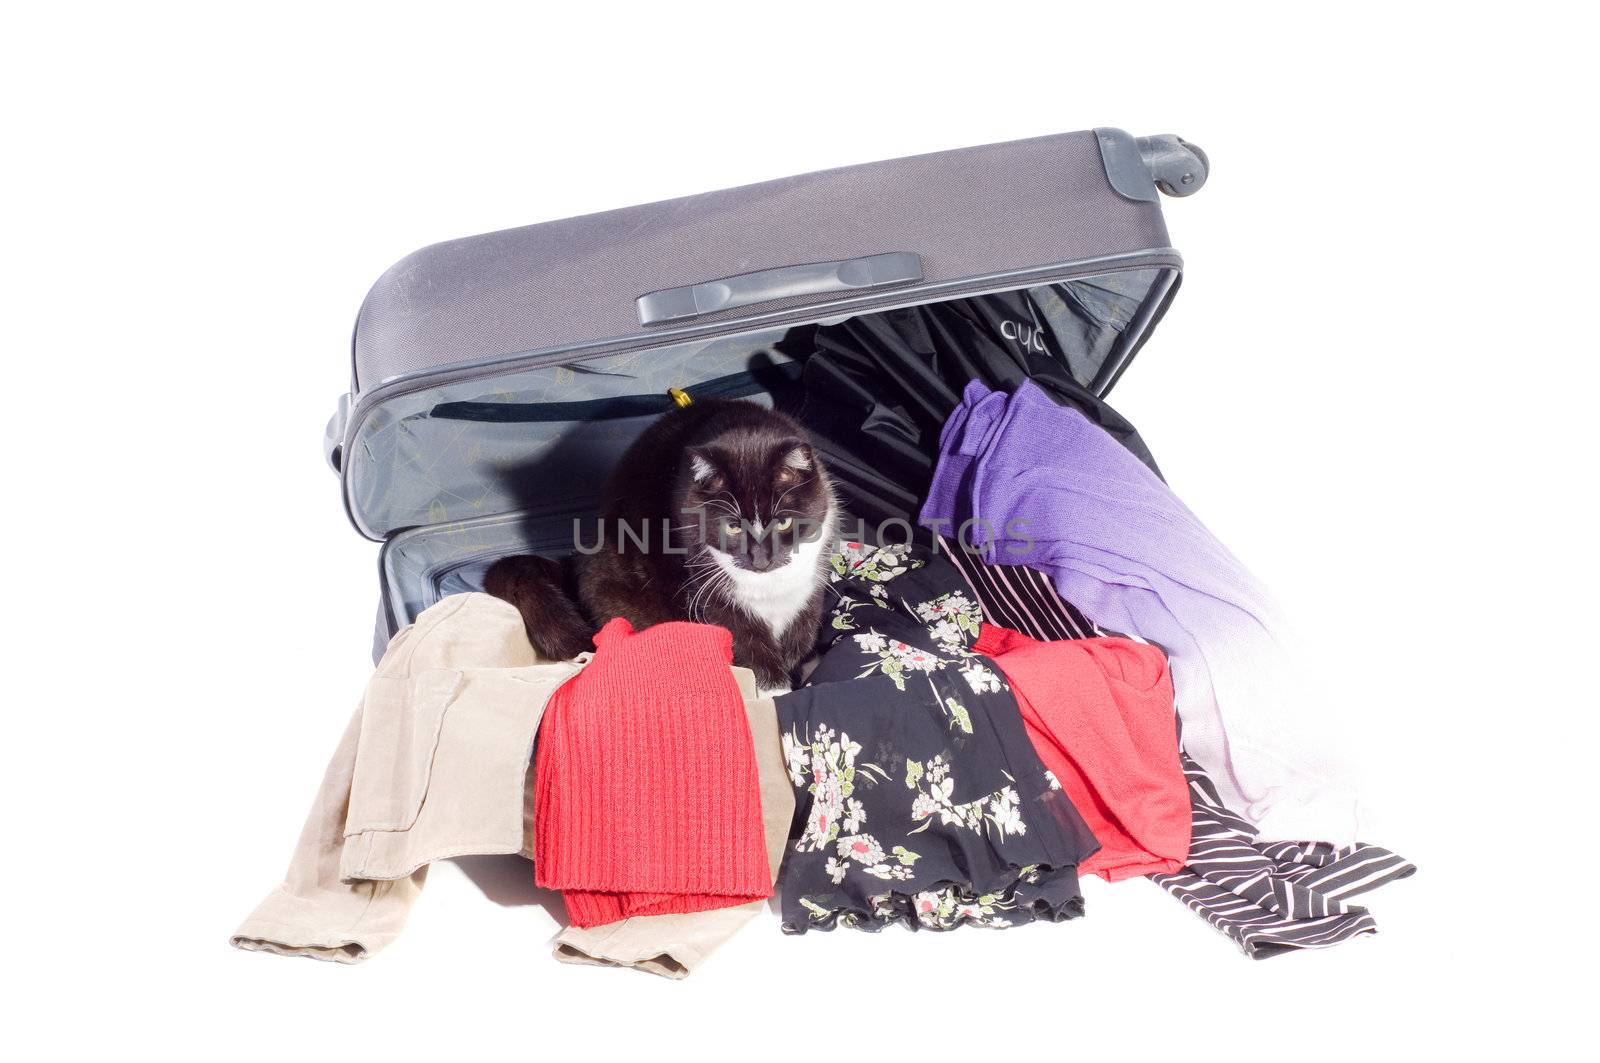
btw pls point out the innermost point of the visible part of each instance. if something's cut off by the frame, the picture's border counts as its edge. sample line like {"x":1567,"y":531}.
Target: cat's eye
{"x":783,"y":524}
{"x":732,"y":528}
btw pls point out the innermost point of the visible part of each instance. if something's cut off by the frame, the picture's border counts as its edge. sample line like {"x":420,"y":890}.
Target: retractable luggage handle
{"x":781,"y":282}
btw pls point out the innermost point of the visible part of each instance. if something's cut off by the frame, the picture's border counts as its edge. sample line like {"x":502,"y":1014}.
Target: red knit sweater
{"x":1100,"y":714}
{"x":646,"y":796}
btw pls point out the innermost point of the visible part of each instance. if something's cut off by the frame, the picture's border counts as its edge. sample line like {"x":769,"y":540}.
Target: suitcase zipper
{"x":732,"y":386}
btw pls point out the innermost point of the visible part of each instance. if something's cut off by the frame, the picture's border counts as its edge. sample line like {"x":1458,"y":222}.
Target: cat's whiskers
{"x":706,"y":594}
{"x":684,"y":534}
{"x":705,"y":571}
{"x":703,"y":562}
{"x":725,"y":589}
{"x":722,"y":589}
{"x":695,"y":582}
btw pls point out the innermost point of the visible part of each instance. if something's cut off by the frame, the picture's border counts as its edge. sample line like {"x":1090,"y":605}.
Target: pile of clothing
{"x":1064,"y":674}
{"x":439,"y":762}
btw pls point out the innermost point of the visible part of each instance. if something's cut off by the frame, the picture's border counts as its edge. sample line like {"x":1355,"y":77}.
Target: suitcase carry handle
{"x":781,"y":282}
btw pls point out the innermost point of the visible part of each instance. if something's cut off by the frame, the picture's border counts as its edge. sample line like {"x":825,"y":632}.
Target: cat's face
{"x":755,"y":496}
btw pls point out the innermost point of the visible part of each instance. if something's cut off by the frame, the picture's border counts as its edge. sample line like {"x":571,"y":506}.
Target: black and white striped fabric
{"x":1020,"y":598}
{"x":1270,"y":897}
{"x":1274,"y":897}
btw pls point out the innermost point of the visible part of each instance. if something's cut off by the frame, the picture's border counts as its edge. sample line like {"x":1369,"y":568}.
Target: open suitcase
{"x":496,"y":379}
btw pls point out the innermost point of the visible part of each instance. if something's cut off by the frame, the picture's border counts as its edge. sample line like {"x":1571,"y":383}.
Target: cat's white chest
{"x":775,"y":597}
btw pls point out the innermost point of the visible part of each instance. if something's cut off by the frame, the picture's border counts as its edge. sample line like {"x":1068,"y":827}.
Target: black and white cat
{"x":720,"y":513}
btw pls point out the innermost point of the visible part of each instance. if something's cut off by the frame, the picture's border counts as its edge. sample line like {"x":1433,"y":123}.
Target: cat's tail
{"x":537,"y":586}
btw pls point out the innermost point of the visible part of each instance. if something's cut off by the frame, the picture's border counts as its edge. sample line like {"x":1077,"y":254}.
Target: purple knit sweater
{"x":1042,"y":486}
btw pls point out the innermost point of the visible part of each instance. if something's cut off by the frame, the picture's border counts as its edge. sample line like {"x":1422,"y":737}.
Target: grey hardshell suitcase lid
{"x":582,"y":325}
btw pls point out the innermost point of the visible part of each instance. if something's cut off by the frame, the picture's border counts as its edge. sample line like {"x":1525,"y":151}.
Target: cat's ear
{"x":703,"y":469}
{"x":796,"y":462}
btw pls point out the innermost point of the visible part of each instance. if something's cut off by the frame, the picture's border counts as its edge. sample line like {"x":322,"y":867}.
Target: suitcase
{"x":496,"y":379}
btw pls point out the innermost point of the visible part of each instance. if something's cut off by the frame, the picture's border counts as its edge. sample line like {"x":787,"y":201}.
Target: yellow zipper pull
{"x":681,"y":397}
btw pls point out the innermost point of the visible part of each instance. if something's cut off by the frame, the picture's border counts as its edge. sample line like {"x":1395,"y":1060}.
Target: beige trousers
{"x":436,"y":763}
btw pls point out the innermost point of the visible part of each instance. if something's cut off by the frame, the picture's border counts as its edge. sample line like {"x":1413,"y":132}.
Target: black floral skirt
{"x":920,"y":799}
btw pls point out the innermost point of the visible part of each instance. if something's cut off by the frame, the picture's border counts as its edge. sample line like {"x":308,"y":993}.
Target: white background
{"x":1377,"y":385}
